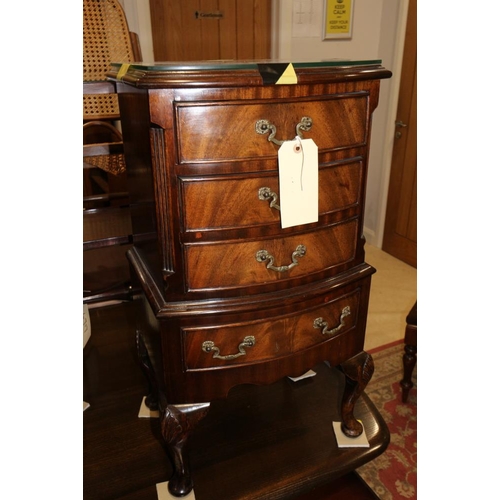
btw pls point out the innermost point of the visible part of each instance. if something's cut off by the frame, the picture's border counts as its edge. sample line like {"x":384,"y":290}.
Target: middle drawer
{"x":233,"y":264}
{"x":236,"y":201}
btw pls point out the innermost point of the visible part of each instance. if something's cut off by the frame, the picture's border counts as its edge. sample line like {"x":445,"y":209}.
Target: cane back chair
{"x":106,"y":228}
{"x":106,"y":39}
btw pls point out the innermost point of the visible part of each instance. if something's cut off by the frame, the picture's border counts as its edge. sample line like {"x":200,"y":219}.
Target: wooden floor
{"x":124,"y":456}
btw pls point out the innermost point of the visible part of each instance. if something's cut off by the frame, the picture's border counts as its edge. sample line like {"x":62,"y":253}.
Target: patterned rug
{"x":393,"y":475}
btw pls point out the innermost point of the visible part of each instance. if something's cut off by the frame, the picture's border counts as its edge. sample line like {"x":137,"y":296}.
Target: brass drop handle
{"x":265,"y":194}
{"x":263,"y":255}
{"x":320,"y":323}
{"x":265,"y":126}
{"x":209,"y":347}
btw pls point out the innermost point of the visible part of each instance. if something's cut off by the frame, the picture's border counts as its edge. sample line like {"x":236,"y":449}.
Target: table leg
{"x":358,"y":371}
{"x":148,"y":370}
{"x":177,"y":422}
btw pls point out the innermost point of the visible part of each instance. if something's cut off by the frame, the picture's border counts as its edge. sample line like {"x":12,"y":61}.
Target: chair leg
{"x":409,"y":361}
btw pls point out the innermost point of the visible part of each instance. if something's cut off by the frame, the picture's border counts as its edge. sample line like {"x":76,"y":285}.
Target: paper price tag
{"x":298,"y":181}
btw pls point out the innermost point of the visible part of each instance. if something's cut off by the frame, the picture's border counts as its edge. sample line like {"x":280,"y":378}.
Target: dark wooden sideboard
{"x":229,"y":296}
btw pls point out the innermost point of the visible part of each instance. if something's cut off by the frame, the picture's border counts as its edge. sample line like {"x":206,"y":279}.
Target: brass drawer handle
{"x":265,"y":194}
{"x":265,"y":126}
{"x":209,"y":347}
{"x":263,"y":255}
{"x":319,"y":323}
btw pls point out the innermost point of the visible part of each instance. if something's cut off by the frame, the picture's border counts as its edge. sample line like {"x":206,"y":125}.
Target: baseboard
{"x":370,"y":236}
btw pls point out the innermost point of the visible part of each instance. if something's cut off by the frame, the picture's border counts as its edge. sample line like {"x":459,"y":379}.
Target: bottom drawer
{"x":270,"y":338}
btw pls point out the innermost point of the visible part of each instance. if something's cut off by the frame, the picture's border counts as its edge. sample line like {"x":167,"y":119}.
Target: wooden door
{"x":400,"y":233}
{"x":190,"y":30}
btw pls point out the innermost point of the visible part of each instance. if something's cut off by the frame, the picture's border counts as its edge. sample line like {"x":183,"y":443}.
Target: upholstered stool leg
{"x":409,"y":361}
{"x":410,"y":355}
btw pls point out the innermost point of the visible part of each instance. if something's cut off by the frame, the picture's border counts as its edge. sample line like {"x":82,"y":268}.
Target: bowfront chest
{"x":230,"y":296}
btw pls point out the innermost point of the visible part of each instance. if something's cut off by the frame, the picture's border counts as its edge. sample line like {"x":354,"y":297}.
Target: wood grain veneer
{"x":219,"y":275}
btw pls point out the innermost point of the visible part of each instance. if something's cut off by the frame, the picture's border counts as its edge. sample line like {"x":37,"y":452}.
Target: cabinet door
{"x":211,"y":29}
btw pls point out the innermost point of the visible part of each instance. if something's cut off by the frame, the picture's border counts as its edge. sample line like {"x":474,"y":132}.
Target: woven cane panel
{"x":106,"y":223}
{"x":102,"y":105}
{"x":114,"y":164}
{"x":106,"y":38}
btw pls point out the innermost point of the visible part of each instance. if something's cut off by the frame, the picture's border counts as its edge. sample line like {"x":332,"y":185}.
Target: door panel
{"x":400,"y":234}
{"x":211,"y":29}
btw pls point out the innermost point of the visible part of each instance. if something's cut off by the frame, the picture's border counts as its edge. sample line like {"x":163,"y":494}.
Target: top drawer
{"x":226,"y":131}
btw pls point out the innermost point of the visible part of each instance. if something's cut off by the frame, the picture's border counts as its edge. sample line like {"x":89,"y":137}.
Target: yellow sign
{"x":338,"y":18}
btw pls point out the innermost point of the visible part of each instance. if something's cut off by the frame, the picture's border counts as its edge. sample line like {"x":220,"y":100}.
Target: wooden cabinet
{"x":229,"y":296}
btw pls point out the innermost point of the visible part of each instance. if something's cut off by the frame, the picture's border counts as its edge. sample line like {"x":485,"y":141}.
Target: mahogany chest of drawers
{"x":229,"y":296}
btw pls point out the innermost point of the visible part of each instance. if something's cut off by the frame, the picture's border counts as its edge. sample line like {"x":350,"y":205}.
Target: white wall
{"x":378,"y":33}
{"x":365,"y":35}
{"x":390,"y":50}
{"x":139,"y":21}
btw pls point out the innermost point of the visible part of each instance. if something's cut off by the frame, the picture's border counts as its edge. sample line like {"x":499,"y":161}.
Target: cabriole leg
{"x":358,"y":371}
{"x":177,"y":423}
